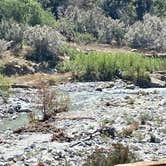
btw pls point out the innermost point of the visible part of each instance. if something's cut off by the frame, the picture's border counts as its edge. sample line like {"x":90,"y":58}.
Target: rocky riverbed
{"x":114,"y":105}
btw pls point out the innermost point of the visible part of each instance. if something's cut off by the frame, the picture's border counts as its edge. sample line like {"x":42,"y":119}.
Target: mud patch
{"x":44,"y":128}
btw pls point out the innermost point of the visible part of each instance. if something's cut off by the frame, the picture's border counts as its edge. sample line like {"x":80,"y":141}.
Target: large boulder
{"x":158,"y":79}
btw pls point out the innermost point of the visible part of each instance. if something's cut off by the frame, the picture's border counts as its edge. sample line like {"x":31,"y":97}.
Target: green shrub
{"x":85,"y":38}
{"x":95,"y":66}
{"x":25,"y":11}
{"x":113,"y":30}
{"x":4,"y":84}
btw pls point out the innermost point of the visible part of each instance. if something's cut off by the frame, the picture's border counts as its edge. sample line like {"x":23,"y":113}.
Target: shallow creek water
{"x":80,"y":100}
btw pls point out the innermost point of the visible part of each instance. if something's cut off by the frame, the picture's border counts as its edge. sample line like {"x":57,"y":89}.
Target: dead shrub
{"x":118,"y":155}
{"x":50,"y":101}
{"x":129,"y":129}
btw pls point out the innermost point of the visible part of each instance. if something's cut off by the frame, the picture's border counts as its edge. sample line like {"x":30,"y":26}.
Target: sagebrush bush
{"x":149,"y":34}
{"x":96,"y":23}
{"x":113,"y":30}
{"x":46,"y":42}
{"x":11,"y":31}
{"x":3,"y":46}
{"x":66,"y":28}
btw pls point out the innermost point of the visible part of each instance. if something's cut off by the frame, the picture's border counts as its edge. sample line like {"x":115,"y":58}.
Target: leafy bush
{"x":46,"y":42}
{"x":95,"y":66}
{"x":25,"y":11}
{"x":149,"y":34}
{"x":121,"y":9}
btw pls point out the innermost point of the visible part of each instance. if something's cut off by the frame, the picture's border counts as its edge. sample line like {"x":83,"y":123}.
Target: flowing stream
{"x":79,"y":100}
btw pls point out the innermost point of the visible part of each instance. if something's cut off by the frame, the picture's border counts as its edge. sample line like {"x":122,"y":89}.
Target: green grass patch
{"x":4,"y":84}
{"x":97,"y":66}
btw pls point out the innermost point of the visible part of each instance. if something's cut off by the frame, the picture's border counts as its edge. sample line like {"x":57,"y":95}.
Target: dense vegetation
{"x":93,"y":66}
{"x":44,"y":25}
{"x":124,"y":22}
{"x":25,"y":11}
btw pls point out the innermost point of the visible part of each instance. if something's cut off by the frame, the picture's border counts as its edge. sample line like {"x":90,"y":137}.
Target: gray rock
{"x":99,"y":89}
{"x":11,"y":110}
{"x":14,"y":117}
{"x":131,"y":86}
{"x":156,"y":81}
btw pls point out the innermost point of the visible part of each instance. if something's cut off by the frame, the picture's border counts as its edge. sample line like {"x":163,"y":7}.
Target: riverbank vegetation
{"x":36,"y":31}
{"x":98,"y":66}
{"x":142,"y":25}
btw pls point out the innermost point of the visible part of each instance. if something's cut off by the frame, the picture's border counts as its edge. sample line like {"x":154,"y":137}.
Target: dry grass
{"x":9,"y":57}
{"x":104,"y":48}
{"x":127,"y":131}
{"x":118,"y":155}
{"x":33,"y":79}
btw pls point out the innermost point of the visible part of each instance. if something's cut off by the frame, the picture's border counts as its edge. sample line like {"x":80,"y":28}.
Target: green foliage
{"x":114,"y":30}
{"x":25,"y":11}
{"x":85,"y":38}
{"x":95,"y":66}
{"x":94,"y":22}
{"x":4,"y":84}
{"x":142,"y":7}
{"x":86,"y":21}
{"x":119,"y":9}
